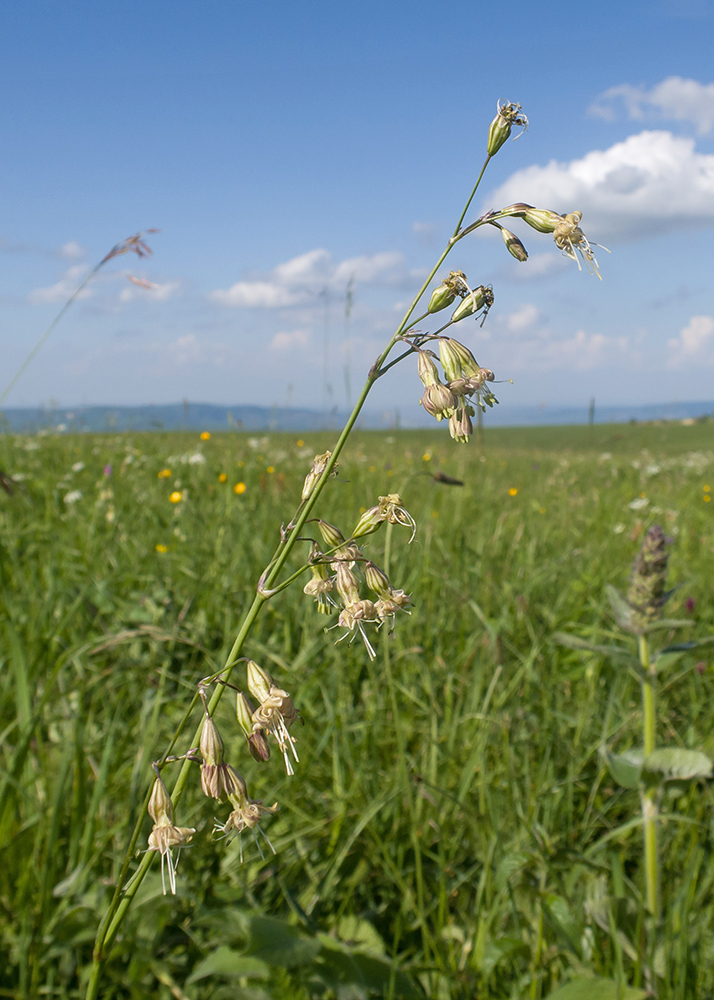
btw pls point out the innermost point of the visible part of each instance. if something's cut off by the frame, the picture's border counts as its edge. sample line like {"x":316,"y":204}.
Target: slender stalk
{"x":124,"y":894}
{"x":649,"y":803}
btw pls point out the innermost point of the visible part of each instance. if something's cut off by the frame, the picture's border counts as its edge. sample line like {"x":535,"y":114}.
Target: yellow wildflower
{"x":239,"y":488}
{"x":205,"y":435}
{"x":222,"y":478}
{"x":175,"y":497}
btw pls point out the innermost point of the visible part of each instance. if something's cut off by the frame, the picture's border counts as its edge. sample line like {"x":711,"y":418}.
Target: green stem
{"x":124,"y":896}
{"x":649,"y":803}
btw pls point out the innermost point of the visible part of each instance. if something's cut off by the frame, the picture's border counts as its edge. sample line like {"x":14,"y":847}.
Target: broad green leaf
{"x":230,"y":965}
{"x":625,"y":768}
{"x":596,"y":989}
{"x":620,"y":608}
{"x":682,"y":765}
{"x":563,"y":917}
{"x":276,"y":943}
{"x":360,"y":935}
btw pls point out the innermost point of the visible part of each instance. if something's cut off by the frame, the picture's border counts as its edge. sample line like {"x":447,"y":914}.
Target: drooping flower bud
{"x":460,"y":426}
{"x":257,"y":743}
{"x":160,"y":807}
{"x":438,"y":401}
{"x":507,"y":116}
{"x":376,"y":579}
{"x":347,"y":584}
{"x":514,"y":245}
{"x":441,"y":297}
{"x":218,"y":779}
{"x":457,"y":359}
{"x":164,"y":835}
{"x":481,"y":297}
{"x":259,"y":681}
{"x":426,"y":369}
{"x":332,"y":535}
{"x":319,"y":464}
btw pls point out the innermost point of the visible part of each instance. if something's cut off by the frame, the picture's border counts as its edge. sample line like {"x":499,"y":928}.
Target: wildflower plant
{"x":341,"y":579}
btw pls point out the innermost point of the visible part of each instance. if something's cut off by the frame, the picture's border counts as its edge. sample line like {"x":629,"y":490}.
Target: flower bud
{"x":211,"y":744}
{"x":259,"y":682}
{"x":438,"y":401}
{"x":500,"y":129}
{"x":478,"y":298}
{"x":426,"y":369}
{"x":647,"y":595}
{"x":457,"y":359}
{"x":460,"y":426}
{"x":319,"y":464}
{"x":332,"y":535}
{"x":514,"y":245}
{"x":347,"y":584}
{"x":441,"y":297}
{"x":542,"y":219}
{"x":376,"y":579}
{"x":160,"y":808}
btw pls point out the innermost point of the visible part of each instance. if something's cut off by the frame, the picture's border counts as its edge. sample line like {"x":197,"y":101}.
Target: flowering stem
{"x":649,"y":803}
{"x":124,"y":894}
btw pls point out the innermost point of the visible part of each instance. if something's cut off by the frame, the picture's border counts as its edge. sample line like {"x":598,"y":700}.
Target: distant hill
{"x":209,"y":416}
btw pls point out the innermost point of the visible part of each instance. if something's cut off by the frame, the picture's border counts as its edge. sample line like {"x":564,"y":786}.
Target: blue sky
{"x":284,"y":148}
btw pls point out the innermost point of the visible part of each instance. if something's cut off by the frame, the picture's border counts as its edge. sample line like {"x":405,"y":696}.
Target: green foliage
{"x":458,"y":825}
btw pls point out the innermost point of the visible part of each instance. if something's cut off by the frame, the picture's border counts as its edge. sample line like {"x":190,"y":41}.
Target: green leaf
{"x":339,"y":967}
{"x":683,"y":647}
{"x":278,"y":944}
{"x":625,"y":768}
{"x":666,"y":660}
{"x":669,"y":623}
{"x":678,"y":764}
{"x":596,"y":989}
{"x":230,"y":965}
{"x":620,"y":608}
{"x":511,"y":864}
{"x":614,"y":652}
{"x":505,"y":947}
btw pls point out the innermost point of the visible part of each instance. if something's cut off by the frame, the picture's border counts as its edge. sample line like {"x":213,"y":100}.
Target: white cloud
{"x":694,"y":342}
{"x":71,"y":251}
{"x":149,"y":291}
{"x":287,"y":340}
{"x":524,"y":316}
{"x":304,"y":279}
{"x":65,"y":287}
{"x":651,"y":183}
{"x":675,"y":99}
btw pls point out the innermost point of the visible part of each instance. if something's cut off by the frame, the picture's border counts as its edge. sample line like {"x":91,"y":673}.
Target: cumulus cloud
{"x":61,"y":290}
{"x":651,"y":183}
{"x":287,"y":340}
{"x":149,"y":290}
{"x":675,"y":99}
{"x":71,"y":251}
{"x":526,"y":315}
{"x":303,"y":279}
{"x":694,"y":343}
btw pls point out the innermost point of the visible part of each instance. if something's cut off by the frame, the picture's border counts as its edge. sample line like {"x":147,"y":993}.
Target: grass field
{"x":452,"y":830}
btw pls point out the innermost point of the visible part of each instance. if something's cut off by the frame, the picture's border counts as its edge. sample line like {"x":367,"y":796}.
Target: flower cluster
{"x":464,"y":380}
{"x":342,"y":568}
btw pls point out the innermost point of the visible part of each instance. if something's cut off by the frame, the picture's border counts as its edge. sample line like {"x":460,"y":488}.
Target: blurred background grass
{"x":452,"y":830}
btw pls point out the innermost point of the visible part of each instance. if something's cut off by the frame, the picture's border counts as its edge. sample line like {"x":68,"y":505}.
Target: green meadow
{"x":452,"y":830}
